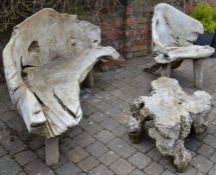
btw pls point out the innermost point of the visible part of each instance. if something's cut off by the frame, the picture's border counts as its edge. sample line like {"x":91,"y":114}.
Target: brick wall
{"x":138,"y":28}
{"x":127,"y":27}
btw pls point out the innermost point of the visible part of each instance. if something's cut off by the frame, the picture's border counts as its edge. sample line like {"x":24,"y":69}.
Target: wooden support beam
{"x":165,"y":70}
{"x":52,"y":151}
{"x":89,"y":81}
{"x":198,"y":69}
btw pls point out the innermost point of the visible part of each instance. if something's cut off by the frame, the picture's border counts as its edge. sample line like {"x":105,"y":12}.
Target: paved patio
{"x":100,"y":145}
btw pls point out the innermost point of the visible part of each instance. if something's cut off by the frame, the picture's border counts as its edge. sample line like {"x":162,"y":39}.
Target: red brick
{"x":128,"y":48}
{"x":131,"y":21}
{"x":117,"y":22}
{"x":129,"y":11}
{"x":141,"y":42}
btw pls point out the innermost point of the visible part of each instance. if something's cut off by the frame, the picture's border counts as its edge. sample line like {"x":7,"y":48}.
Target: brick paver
{"x":121,"y":167}
{"x":100,"y":144}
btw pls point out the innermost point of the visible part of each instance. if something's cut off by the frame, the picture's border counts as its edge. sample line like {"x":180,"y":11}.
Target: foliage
{"x":206,"y":14}
{"x":14,"y":11}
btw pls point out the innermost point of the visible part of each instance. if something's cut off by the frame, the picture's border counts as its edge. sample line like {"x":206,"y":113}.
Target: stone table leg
{"x":52,"y":151}
{"x":89,"y":81}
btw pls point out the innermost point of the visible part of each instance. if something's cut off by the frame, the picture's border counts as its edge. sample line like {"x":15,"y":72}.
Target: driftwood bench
{"x":172,"y":114}
{"x":173,"y":35}
{"x":46,"y":59}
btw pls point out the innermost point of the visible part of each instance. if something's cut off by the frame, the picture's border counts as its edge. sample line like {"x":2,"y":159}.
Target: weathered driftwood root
{"x":45,"y":61}
{"x":173,"y":113}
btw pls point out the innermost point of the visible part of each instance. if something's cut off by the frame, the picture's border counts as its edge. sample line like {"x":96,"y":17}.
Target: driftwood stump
{"x":173,"y":114}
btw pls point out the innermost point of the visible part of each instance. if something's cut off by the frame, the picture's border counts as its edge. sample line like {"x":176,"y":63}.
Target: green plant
{"x":206,"y":14}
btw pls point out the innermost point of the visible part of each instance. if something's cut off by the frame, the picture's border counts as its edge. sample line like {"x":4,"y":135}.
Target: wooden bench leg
{"x":89,"y":81}
{"x":165,"y":70}
{"x":52,"y":151}
{"x":198,"y":72}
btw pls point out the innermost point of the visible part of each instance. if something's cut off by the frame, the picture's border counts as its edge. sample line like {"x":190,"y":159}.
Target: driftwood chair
{"x":173,"y":34}
{"x":47,"y":57}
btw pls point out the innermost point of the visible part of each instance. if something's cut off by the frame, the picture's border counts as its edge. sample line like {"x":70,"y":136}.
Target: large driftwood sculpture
{"x":47,"y":57}
{"x":173,"y":34}
{"x":172,"y":113}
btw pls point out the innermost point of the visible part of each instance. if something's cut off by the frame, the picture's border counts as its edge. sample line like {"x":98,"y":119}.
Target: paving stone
{"x":25,"y":157}
{"x":144,"y":146}
{"x":68,"y":169}
{"x":84,"y":139}
{"x":40,"y":153}
{"x":137,"y":172}
{"x":213,"y":157}
{"x":75,"y":131}
{"x":192,"y":144}
{"x":167,"y":162}
{"x":108,"y":157}
{"x":88,"y":163}
{"x":91,"y":126}
{"x":77,"y":154}
{"x":154,"y":154}
{"x":190,"y":171}
{"x":37,"y":167}
{"x":200,"y":173}
{"x":121,"y":167}
{"x":210,"y":140}
{"x":167,"y":172}
{"x":17,"y":124}
{"x":4,"y":130}
{"x":154,"y":168}
{"x":205,"y":150}
{"x":201,"y":163}
{"x":109,"y":123}
{"x":83,"y":173}
{"x":36,"y":143}
{"x":22,"y":173}
{"x":98,"y":116}
{"x":6,"y":116}
{"x":139,"y":160}
{"x":122,"y":148}
{"x":211,"y":129}
{"x":120,"y":130}
{"x":96,"y":149}
{"x":2,"y":151}
{"x":104,"y":136}
{"x":101,"y":170}
{"x":8,"y":166}
{"x":66,"y":144}
{"x":62,"y":160}
{"x":88,"y":109}
{"x":212,"y":171}
{"x":3,"y":108}
{"x":122,"y":118}
{"x":13,"y":144}
{"x":126,"y":139}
